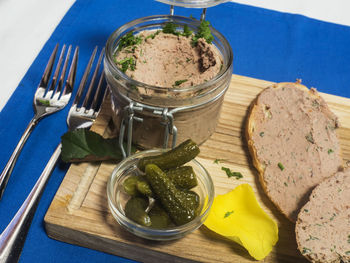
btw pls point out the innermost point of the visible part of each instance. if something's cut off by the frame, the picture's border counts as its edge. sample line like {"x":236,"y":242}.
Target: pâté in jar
{"x":168,"y":75}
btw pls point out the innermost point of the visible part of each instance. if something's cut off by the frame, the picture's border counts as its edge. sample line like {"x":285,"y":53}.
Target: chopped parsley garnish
{"x":179,"y":82}
{"x":44,"y":102}
{"x":186,"y":32}
{"x":315,"y":104}
{"x":312,"y":238}
{"x":330,"y":151}
{"x":129,"y":40}
{"x":126,"y":64}
{"x":285,"y":184}
{"x":203,"y":32}
{"x":306,"y":210}
{"x":228,"y":213}
{"x":349,"y":239}
{"x":333,"y":216}
{"x":170,"y":28}
{"x":306,"y":250}
{"x":229,"y":173}
{"x":347,"y":252}
{"x":330,"y":127}
{"x":133,"y":87}
{"x":280,"y":165}
{"x":262,"y":134}
{"x":310,"y":138}
{"x":333,"y":248}
{"x":153,"y":35}
{"x":217,"y":161}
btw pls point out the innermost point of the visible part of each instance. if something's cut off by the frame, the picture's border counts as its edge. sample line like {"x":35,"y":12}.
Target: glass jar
{"x":152,"y":116}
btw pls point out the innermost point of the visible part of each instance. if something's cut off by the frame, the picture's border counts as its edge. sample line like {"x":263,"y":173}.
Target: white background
{"x":26,"y":25}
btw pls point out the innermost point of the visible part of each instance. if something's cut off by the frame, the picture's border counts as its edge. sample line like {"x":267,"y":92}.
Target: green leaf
{"x":85,"y":145}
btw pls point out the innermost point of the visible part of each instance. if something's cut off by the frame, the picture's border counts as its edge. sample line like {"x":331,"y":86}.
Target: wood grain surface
{"x":79,"y":213}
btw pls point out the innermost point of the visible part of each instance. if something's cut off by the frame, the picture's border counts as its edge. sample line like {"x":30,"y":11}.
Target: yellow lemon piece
{"x":238,"y":216}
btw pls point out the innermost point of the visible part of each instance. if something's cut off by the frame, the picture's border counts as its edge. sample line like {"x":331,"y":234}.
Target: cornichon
{"x":159,"y":217}
{"x":143,"y":186}
{"x":183,"y":177}
{"x":174,"y":201}
{"x":176,"y":157}
{"x":129,"y":185}
{"x":135,"y":210}
{"x":192,"y":199}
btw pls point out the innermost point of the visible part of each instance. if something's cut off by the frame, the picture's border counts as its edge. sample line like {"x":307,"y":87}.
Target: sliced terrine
{"x":323,"y":225}
{"x":291,"y":136}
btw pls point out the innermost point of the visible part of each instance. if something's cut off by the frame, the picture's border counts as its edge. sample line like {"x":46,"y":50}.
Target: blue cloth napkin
{"x":266,"y":44}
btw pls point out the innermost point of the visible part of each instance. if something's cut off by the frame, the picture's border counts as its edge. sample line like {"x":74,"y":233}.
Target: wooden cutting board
{"x":79,"y":213}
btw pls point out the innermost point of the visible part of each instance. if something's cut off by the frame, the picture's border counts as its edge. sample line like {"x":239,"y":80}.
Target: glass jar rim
{"x":122,"y":30}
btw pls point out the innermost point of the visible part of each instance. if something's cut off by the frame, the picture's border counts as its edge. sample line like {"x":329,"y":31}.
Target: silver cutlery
{"x":47,"y":99}
{"x":13,"y":237}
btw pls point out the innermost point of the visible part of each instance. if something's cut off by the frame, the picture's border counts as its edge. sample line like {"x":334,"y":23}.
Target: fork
{"x":47,"y":100}
{"x":13,"y":237}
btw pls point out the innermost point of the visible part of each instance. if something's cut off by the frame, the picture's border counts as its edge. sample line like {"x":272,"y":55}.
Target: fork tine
{"x":97,"y":93}
{"x":92,"y":82}
{"x":51,"y":89}
{"x":68,"y":88}
{"x":84,"y":78}
{"x":63,"y":73}
{"x":48,"y":69}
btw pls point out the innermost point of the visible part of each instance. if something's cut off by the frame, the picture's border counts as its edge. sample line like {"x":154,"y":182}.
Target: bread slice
{"x":291,"y":137}
{"x":323,"y":225}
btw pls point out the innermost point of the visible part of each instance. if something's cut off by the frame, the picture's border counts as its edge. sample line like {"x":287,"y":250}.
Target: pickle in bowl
{"x":167,"y":205}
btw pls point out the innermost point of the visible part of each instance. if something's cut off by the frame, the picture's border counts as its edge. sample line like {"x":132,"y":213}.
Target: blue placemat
{"x":266,"y":44}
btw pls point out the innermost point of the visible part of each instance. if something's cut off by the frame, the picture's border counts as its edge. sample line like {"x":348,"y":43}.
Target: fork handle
{"x":13,"y":237}
{"x":6,"y":173}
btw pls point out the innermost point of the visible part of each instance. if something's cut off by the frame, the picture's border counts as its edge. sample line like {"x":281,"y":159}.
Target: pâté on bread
{"x":291,"y":136}
{"x":323,"y":225}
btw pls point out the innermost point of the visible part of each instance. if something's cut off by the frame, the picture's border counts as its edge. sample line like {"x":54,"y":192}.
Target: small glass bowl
{"x":117,"y":199}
